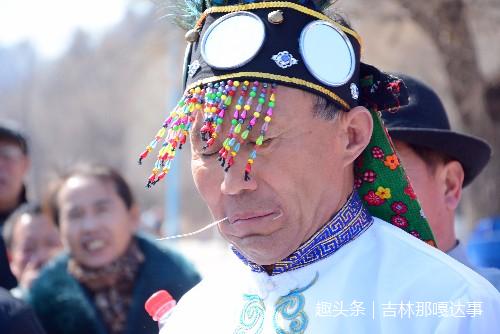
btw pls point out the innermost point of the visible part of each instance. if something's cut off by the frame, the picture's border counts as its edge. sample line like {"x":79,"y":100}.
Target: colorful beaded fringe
{"x":215,"y":100}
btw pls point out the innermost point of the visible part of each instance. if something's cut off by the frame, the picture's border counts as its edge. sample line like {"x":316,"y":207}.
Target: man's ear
{"x":26,"y":165}
{"x":453,"y":175}
{"x":358,"y":126}
{"x":134,"y":213}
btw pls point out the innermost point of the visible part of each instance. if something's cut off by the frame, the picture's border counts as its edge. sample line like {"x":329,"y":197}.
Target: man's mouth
{"x":249,"y":217}
{"x":94,"y":245}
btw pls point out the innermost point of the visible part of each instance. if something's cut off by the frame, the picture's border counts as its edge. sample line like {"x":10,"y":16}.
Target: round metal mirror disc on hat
{"x":233,"y":40}
{"x":327,"y":52}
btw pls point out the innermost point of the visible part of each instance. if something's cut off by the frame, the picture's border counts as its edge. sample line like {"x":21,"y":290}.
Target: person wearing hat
{"x":290,"y":155}
{"x":439,"y":164}
{"x":14,"y":164}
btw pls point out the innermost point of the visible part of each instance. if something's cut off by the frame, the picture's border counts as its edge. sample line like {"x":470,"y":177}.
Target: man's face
{"x":13,"y":167}
{"x":429,"y":185}
{"x":35,"y":240}
{"x":300,"y":178}
{"x":95,"y":223}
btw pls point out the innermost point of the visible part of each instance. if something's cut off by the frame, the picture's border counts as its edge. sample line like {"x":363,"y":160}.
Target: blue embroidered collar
{"x":346,"y":225}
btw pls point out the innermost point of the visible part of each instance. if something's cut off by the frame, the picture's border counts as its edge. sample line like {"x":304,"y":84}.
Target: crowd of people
{"x":76,"y":263}
{"x":320,"y":213}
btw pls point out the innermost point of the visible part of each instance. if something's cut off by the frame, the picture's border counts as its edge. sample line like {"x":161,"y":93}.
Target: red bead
{"x":144,"y":154}
{"x":248,"y":168}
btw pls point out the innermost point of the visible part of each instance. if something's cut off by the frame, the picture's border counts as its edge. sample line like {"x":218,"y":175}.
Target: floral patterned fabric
{"x":379,"y":176}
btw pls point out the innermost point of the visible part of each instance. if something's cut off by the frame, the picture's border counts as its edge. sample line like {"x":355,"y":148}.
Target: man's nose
{"x":89,"y":223}
{"x":235,"y":182}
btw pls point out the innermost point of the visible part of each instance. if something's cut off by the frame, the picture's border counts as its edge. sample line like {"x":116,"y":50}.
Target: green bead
{"x":220,"y":120}
{"x":226,"y":142}
{"x":181,"y":103}
{"x":228,"y":101}
{"x":271,"y":104}
{"x":253,"y":93}
{"x":237,"y":129}
{"x":259,"y":140}
{"x":262,"y":100}
{"x":244,"y":135}
{"x":219,"y":94}
{"x":234,"y":122}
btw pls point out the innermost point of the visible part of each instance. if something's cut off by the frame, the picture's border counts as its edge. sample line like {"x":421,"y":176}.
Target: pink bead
{"x":253,"y":121}
{"x":269,"y":112}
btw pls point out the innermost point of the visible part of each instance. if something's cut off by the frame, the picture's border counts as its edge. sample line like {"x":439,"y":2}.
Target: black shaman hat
{"x":423,"y":122}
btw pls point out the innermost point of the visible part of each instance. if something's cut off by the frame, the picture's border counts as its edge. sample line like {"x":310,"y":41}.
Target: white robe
{"x":384,"y":281}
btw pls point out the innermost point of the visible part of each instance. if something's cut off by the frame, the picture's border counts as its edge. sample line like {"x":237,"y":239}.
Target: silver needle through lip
{"x":195,"y":232}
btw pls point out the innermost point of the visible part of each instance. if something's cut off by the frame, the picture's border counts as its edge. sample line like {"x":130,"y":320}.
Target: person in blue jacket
{"x":101,"y":285}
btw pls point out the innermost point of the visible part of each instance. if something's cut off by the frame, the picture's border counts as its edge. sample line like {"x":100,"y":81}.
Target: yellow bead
{"x":272,"y":98}
{"x":233,"y":153}
{"x":256,"y":114}
{"x":238,"y":107}
{"x":223,"y":97}
{"x":246,"y":83}
{"x":213,"y":109}
{"x":267,"y":119}
{"x":197,"y":90}
{"x":214,"y":135}
{"x":207,"y":109}
{"x":149,"y":148}
{"x":236,"y":83}
{"x":246,"y":107}
{"x":198,"y":106}
{"x":250,"y":161}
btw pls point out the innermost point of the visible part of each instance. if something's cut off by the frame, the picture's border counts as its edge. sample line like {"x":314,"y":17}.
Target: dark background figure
{"x":102,"y":284}
{"x":16,"y":317}
{"x":14,"y":165}
{"x":440,"y":162}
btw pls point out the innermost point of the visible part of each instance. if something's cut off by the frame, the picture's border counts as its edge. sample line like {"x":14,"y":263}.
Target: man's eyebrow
{"x":102,"y":201}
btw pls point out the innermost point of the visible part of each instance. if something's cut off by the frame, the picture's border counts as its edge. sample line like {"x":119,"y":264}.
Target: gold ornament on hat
{"x":276,"y":17}
{"x":192,"y":35}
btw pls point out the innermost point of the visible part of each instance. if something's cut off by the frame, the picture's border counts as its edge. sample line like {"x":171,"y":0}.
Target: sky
{"x":49,"y":24}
